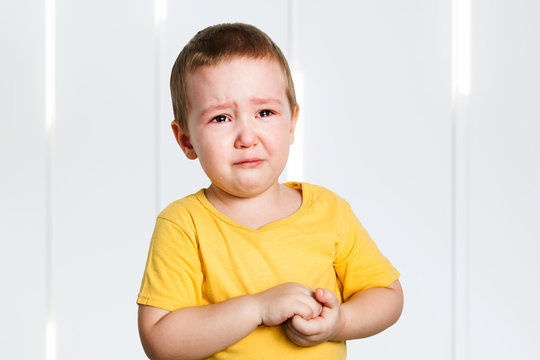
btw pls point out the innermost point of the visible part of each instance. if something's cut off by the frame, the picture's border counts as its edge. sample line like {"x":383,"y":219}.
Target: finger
{"x":291,"y":326}
{"x":300,"y":338}
{"x":315,"y":308}
{"x":305,"y":310}
{"x":327,"y":298}
{"x":295,"y":336}
{"x":307,"y":327}
{"x":306,"y":290}
{"x":306,"y":338}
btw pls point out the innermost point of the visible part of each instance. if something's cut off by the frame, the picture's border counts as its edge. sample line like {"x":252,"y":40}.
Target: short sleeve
{"x":173,"y":277}
{"x":358,"y":262}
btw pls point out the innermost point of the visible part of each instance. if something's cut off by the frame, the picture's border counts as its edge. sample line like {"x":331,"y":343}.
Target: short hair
{"x":215,"y":44}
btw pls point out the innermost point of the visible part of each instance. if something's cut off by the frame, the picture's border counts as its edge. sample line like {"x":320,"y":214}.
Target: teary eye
{"x":265,"y":113}
{"x":220,"y":118}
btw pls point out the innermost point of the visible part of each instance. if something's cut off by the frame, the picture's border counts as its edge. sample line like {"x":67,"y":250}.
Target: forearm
{"x":370,"y":311}
{"x":201,"y":331}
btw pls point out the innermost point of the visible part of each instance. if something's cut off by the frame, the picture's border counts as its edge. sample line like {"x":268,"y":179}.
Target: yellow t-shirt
{"x":199,"y":256}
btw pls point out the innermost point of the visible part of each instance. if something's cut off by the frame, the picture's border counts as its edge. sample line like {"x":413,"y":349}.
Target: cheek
{"x":280,"y":142}
{"x":211,"y":152}
{"x":285,"y":135}
{"x":204,"y":143}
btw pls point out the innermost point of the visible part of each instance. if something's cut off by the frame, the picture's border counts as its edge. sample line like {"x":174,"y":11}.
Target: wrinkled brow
{"x":260,"y":101}
{"x":212,"y":108}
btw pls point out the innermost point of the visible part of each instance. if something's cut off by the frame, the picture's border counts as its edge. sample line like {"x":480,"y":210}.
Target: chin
{"x":250,"y":188}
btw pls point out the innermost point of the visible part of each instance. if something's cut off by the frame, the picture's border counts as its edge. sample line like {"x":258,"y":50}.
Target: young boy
{"x":250,"y":268}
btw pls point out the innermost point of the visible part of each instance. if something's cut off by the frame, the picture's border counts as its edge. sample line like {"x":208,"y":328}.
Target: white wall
{"x":78,"y":203}
{"x":22,"y":181}
{"x":103,"y":183}
{"x":504,"y":181}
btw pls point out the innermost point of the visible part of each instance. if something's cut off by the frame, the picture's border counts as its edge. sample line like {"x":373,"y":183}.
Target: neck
{"x":277,"y":202}
{"x":223,"y":200}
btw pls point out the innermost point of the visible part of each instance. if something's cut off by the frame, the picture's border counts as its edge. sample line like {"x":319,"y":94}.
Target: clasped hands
{"x":311,"y":316}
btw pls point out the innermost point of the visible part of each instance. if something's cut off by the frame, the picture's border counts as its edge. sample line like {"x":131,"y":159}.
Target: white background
{"x":447,"y":186}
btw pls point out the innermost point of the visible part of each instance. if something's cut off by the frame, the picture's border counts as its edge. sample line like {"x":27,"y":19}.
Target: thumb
{"x":327,"y":298}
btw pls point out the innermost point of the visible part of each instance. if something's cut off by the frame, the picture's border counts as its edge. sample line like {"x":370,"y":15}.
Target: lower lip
{"x":250,"y":163}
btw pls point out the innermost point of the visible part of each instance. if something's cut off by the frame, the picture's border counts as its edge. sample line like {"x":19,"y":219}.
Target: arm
{"x":195,"y":332}
{"x":366,"y":313}
{"x":201,"y":331}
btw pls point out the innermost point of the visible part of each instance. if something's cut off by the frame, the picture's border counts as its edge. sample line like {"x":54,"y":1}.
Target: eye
{"x":220,"y":119}
{"x":265,"y":113}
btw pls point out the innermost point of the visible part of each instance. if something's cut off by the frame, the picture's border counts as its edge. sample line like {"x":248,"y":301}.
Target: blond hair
{"x":217,"y":43}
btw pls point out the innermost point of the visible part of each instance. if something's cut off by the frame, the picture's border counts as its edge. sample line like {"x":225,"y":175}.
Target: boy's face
{"x":240,"y":124}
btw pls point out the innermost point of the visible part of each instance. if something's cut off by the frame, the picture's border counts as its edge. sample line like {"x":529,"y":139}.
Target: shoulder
{"x":323,"y":196}
{"x":183,"y":210}
{"x":176,"y":225}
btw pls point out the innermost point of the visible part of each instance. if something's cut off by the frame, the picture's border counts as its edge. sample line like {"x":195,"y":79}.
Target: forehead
{"x":236,"y":76}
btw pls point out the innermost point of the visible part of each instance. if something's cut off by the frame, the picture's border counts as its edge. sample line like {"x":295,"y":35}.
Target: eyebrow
{"x":213,"y":108}
{"x":260,"y":101}
{"x":229,"y":104}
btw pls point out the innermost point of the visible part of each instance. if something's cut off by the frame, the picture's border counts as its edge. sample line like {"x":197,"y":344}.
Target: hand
{"x":309,"y":332}
{"x":284,"y":301}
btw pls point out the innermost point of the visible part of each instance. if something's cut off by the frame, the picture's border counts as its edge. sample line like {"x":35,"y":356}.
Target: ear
{"x":294,"y":119}
{"x":182,"y":138}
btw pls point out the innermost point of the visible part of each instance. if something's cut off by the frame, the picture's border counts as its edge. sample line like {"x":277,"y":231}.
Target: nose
{"x":246,"y":136}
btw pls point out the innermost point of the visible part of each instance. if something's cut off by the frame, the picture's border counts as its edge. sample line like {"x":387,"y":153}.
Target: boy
{"x":250,"y":268}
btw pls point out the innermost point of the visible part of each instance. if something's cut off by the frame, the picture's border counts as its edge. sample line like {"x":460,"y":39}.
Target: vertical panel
{"x":22,"y":180}
{"x":378,"y":132}
{"x":180,"y":176}
{"x":103,"y":174}
{"x":504,"y":180}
